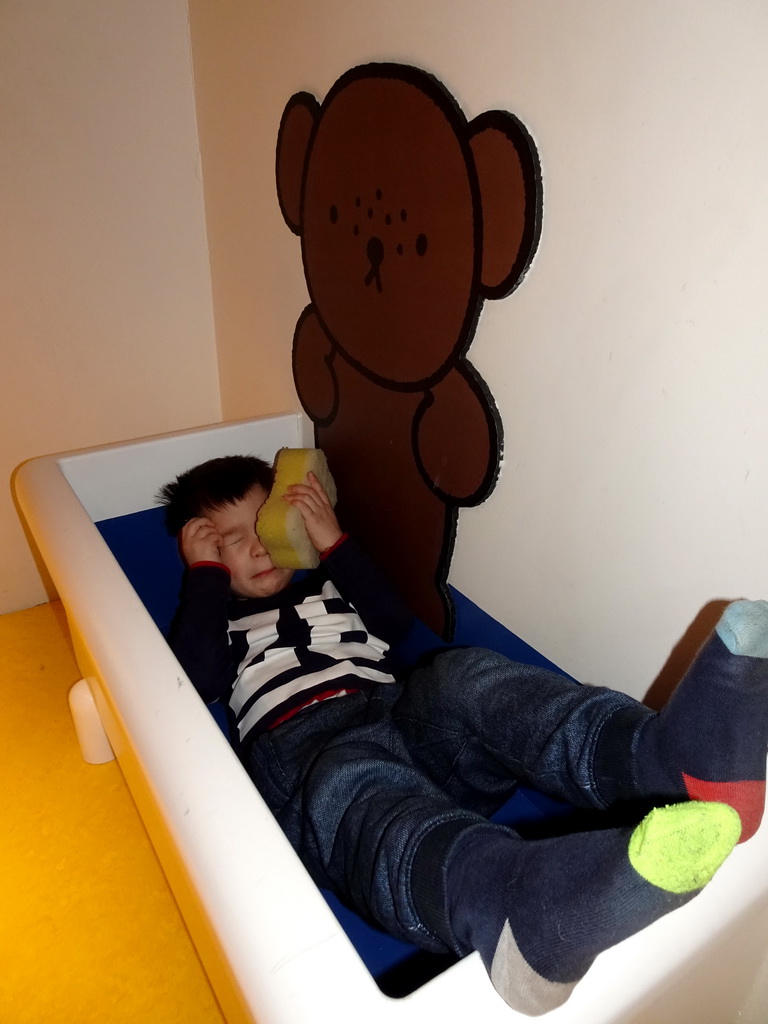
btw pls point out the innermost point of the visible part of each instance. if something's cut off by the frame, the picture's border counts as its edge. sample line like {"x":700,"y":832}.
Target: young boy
{"x":383,"y":779}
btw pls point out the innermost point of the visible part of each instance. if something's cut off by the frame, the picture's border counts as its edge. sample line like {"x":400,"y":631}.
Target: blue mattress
{"x":150,"y":560}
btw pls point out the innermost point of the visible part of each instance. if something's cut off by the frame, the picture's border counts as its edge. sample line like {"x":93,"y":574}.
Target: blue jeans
{"x":373,"y":789}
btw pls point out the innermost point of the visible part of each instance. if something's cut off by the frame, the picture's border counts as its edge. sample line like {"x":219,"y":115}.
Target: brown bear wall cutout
{"x":409,"y":218}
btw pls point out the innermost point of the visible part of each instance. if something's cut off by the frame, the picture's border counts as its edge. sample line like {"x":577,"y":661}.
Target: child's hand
{"x":317,"y":512}
{"x":200,"y":541}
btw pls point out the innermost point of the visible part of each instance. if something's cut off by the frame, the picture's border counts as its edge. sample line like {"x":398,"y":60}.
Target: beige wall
{"x":106,"y":329}
{"x":257,"y":283}
{"x":631,"y":367}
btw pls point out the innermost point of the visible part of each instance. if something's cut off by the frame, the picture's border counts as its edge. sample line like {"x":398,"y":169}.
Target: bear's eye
{"x":421,"y":245}
{"x":334,"y":214}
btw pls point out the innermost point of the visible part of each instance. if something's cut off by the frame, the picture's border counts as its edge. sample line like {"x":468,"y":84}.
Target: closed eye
{"x":229,"y":541}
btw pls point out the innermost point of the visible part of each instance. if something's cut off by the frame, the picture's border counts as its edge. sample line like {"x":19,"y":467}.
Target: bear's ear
{"x":296,"y":127}
{"x":509,"y":178}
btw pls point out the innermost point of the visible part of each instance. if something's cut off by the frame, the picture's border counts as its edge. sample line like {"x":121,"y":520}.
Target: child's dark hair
{"x":211,"y":486}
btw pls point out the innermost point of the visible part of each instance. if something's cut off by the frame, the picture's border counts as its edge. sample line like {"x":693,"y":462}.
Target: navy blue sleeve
{"x":378,"y":603}
{"x":198,"y":635}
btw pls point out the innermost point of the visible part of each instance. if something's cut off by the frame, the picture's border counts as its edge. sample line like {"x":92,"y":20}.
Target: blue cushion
{"x":151,"y":561}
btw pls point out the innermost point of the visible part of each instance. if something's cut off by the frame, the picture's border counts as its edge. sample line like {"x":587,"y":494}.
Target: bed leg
{"x":94,"y":743}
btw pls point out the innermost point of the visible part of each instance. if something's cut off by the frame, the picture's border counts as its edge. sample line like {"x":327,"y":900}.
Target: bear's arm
{"x":458,"y":437}
{"x":313,"y":373}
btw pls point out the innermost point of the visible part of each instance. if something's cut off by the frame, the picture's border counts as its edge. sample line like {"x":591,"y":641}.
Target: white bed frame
{"x":272,"y":948}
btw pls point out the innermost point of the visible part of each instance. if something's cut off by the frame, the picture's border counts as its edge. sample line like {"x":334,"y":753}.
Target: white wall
{"x":631,"y":367}
{"x":106,"y":326}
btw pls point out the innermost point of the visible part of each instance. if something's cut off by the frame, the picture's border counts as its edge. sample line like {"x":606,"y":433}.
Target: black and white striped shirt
{"x":288,"y":655}
{"x":326,"y":633}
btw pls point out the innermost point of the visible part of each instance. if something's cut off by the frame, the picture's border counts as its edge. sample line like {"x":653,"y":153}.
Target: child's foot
{"x":710,"y":741}
{"x":539,"y":912}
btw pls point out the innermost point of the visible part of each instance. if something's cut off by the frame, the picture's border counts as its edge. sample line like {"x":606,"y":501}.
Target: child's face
{"x":253,"y":574}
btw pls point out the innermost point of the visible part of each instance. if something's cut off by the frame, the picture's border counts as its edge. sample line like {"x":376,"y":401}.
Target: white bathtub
{"x":272,"y":948}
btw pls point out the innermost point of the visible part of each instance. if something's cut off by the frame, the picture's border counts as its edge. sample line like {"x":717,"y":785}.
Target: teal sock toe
{"x":743,"y":628}
{"x":710,"y":741}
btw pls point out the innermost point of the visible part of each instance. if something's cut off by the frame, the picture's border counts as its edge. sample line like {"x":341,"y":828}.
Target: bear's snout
{"x":375,"y":253}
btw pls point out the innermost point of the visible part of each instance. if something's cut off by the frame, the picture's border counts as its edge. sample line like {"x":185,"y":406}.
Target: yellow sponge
{"x":281,"y":526}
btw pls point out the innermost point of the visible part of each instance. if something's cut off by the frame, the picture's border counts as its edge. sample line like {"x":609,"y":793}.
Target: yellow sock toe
{"x":679,"y":848}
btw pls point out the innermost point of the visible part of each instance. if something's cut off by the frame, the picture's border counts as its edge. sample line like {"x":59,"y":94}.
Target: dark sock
{"x":710,"y":741}
{"x":539,"y":912}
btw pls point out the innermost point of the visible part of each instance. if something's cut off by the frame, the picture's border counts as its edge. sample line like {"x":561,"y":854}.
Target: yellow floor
{"x":89,"y":930}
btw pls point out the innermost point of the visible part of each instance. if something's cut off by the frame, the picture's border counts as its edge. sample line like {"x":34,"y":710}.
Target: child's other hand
{"x":317,"y":512}
{"x":200,"y":541}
